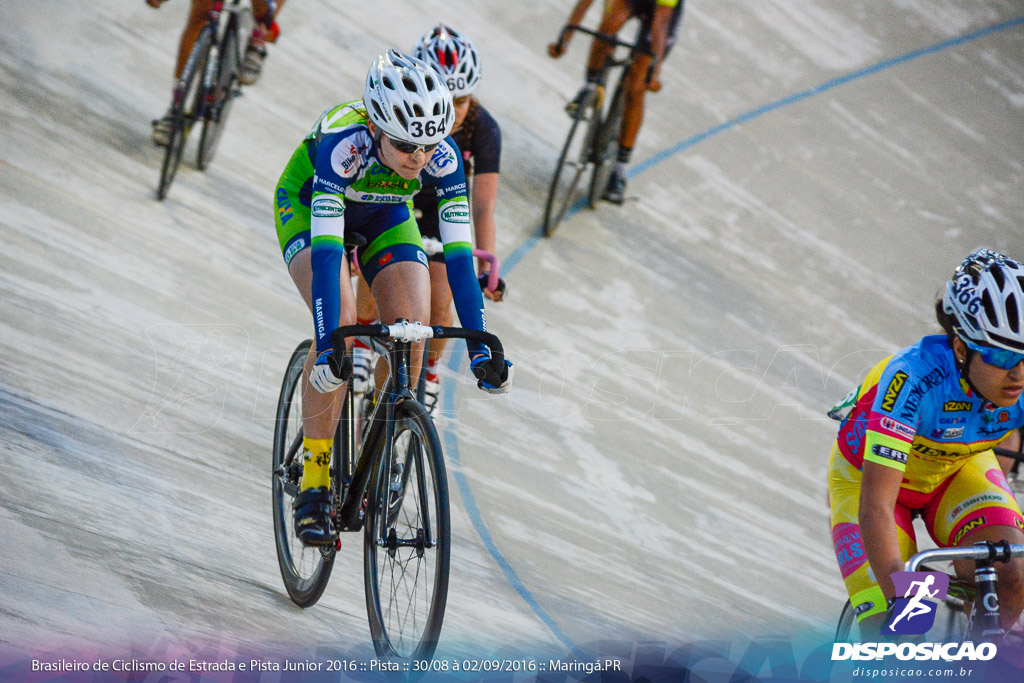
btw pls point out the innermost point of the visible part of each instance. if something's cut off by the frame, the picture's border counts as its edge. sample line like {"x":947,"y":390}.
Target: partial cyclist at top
{"x":255,"y":51}
{"x":454,"y":56}
{"x":354,"y":175}
{"x":919,"y":439}
{"x":659,"y":20}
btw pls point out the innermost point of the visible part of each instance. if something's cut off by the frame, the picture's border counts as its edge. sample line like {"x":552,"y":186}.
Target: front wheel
{"x":407,"y":540}
{"x":572,"y":162}
{"x":186,"y":107}
{"x":305,"y":569}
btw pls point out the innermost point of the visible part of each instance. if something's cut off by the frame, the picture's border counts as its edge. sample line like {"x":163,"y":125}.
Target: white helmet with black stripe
{"x":453,"y":56}
{"x":986,"y":299}
{"x":408,"y":100}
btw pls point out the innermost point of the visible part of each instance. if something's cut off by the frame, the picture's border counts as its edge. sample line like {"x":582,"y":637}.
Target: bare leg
{"x":440,"y":306}
{"x":402,"y":290}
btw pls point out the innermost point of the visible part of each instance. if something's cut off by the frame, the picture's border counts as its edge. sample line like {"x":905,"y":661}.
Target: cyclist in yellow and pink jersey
{"x":659,"y":19}
{"x":252,"y":62}
{"x":920,"y":436}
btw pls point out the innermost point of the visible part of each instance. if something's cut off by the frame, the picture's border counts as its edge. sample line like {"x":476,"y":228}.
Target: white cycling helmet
{"x":453,"y":56}
{"x":986,"y":299}
{"x":408,"y":100}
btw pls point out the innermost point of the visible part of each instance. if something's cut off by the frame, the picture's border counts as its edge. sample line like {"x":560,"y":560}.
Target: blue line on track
{"x":451,"y":441}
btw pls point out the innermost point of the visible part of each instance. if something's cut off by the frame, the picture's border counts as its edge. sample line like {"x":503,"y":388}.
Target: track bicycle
{"x":389,"y":482}
{"x":959,"y":619}
{"x":208,"y":85}
{"x":593,"y":135}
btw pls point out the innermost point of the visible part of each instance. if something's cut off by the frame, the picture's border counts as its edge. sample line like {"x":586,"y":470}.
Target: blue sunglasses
{"x":1004,"y":359}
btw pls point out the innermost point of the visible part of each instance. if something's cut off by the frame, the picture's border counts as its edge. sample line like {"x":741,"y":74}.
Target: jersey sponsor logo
{"x":455,"y":213}
{"x":328,"y":207}
{"x":889,"y":453}
{"x":892,"y":392}
{"x":385,"y":259}
{"x":284,"y":206}
{"x":1004,"y":416}
{"x":296,"y":246}
{"x":968,"y":528}
{"x":319,"y":180}
{"x":974,"y":502}
{"x":920,"y":388}
{"x":855,"y":433}
{"x":345,"y":159}
{"x":951,"y":433}
{"x":422,"y":257}
{"x":956,"y":406}
{"x":897,"y":428}
{"x":952,"y":420}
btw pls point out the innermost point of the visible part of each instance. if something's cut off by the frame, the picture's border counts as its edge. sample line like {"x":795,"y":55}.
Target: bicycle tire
{"x":405,"y":595}
{"x":606,"y":147}
{"x":219,"y":99}
{"x":572,"y":163}
{"x":187,"y":92}
{"x":304,"y":569}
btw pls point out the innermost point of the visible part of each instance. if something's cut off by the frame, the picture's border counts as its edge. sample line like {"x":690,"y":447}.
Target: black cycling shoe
{"x":616,"y":190}
{"x":313,"y":516}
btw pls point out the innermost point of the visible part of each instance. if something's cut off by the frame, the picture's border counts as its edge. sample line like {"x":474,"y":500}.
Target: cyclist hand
{"x":492,"y":377}
{"x":498,"y":294}
{"x":327,"y":374}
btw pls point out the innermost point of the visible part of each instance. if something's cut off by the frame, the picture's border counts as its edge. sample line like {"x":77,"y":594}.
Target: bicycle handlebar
{"x":603,"y":37}
{"x":980,"y":552}
{"x":412,"y":333}
{"x":434,"y":246}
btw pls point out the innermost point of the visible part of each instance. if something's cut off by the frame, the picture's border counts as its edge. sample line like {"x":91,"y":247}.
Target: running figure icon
{"x":915,"y":607}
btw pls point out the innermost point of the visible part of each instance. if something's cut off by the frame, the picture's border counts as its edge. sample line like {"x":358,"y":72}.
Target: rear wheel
{"x":305,"y":569}
{"x":186,"y":107}
{"x":606,"y":148}
{"x":572,"y":163}
{"x":225,"y":87}
{"x":407,"y":540}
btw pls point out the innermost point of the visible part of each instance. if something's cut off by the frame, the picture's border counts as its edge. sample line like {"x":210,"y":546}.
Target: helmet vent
{"x":380,"y":112}
{"x":387,"y":83}
{"x":409,"y":84}
{"x":402,"y":120}
{"x":1013,"y":314}
{"x":417,"y":110}
{"x":999,"y":277}
{"x":990,"y":309}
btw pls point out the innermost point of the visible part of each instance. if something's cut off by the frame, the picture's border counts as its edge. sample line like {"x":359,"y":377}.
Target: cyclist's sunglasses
{"x":1004,"y":359}
{"x":410,"y":147}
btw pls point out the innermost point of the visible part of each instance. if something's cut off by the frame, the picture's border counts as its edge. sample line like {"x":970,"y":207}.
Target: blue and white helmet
{"x":408,"y":100}
{"x":986,"y":299}
{"x":453,"y":56}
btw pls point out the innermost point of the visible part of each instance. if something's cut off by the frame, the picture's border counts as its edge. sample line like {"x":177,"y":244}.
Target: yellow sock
{"x":316,"y":468}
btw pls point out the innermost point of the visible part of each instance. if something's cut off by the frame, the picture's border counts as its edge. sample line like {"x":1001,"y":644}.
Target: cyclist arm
{"x":445,"y":176}
{"x":659,"y":39}
{"x":557,"y":48}
{"x":486,"y":149}
{"x":1012,"y":442}
{"x":327,"y":237}
{"x":880,"y":487}
{"x":891,"y":427}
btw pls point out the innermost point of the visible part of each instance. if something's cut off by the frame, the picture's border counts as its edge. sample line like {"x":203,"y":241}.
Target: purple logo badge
{"x":914,"y":613}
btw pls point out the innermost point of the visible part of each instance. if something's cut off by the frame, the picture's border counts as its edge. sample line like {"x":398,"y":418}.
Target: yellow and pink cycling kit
{"x":914,"y":413}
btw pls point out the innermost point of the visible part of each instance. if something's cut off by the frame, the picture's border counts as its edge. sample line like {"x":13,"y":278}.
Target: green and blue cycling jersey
{"x":335,"y":183}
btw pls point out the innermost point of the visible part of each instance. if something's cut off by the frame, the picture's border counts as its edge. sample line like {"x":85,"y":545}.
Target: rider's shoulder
{"x":343,"y":119}
{"x":445,"y":159}
{"x":927,"y":354}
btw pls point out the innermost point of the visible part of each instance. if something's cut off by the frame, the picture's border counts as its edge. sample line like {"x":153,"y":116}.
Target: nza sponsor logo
{"x":956,"y":406}
{"x":892,"y":392}
{"x":968,"y":528}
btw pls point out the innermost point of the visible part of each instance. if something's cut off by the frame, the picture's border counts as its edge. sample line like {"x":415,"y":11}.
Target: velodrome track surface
{"x":813,"y":171}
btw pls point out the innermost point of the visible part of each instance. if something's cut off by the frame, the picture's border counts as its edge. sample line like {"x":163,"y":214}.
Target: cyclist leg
{"x":440,"y":314}
{"x":978,"y":505}
{"x":256,"y":48}
{"x":363,"y":357}
{"x":844,"y":481}
{"x":616,"y":13}
{"x":197,"y":15}
{"x":395,"y":266}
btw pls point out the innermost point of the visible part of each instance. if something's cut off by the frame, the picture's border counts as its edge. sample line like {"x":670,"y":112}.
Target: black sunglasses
{"x":410,"y":147}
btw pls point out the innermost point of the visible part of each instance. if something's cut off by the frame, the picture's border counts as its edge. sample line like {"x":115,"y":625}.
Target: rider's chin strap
{"x":963,"y":368}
